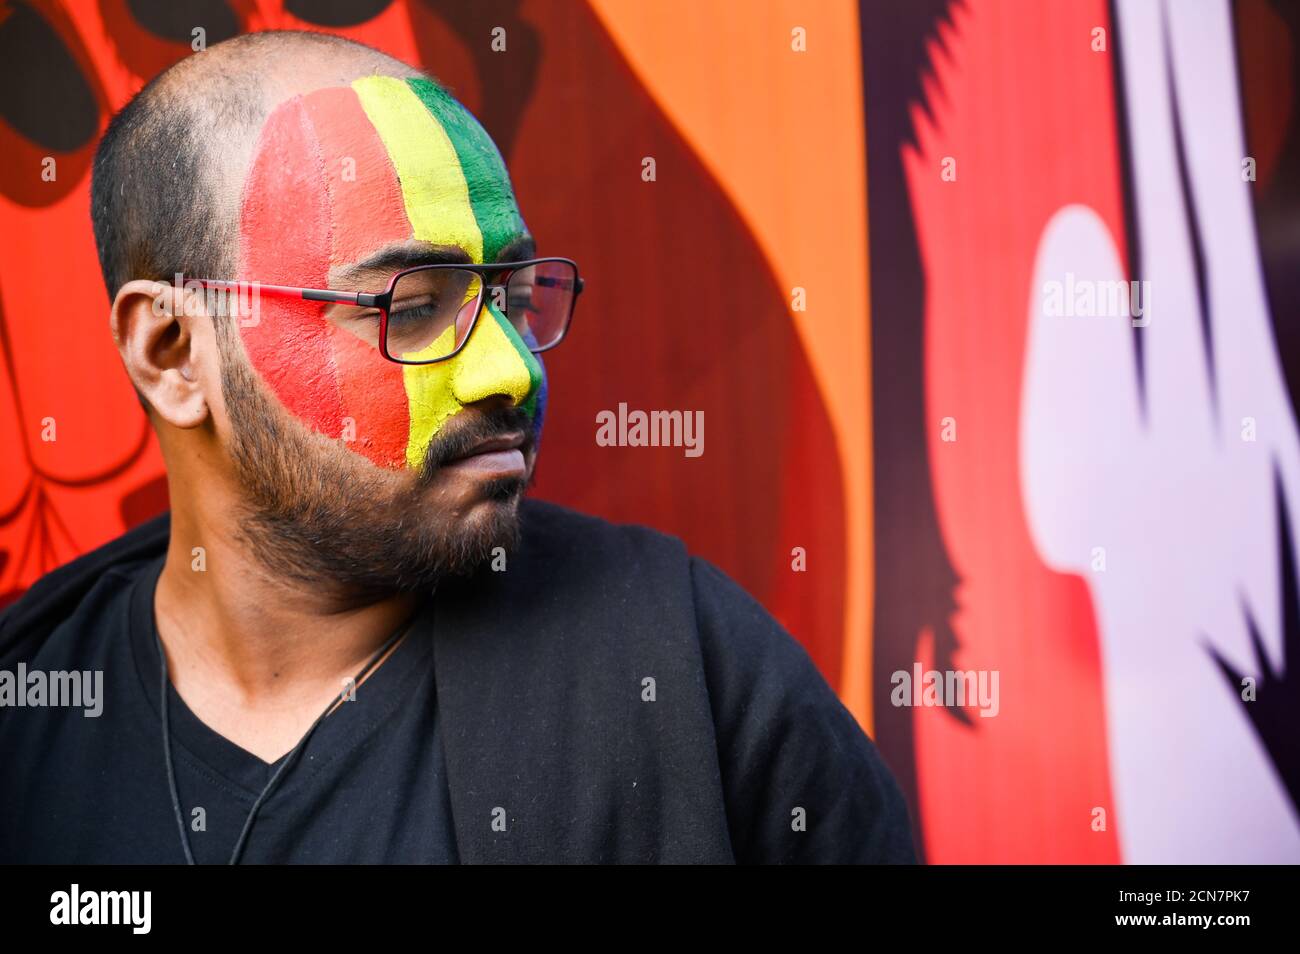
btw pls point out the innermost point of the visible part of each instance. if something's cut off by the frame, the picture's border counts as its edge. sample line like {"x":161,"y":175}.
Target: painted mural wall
{"x":992,"y":310}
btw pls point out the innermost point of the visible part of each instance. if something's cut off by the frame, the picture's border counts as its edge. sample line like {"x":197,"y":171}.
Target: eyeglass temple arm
{"x":345,"y":298}
{"x":310,"y":294}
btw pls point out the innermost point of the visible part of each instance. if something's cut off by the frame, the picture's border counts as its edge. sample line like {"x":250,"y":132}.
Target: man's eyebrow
{"x":397,"y":257}
{"x":394,"y":258}
{"x":518,"y":249}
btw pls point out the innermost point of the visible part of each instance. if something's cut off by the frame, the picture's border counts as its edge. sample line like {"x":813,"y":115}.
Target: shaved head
{"x":295,"y":161}
{"x":169,"y":170}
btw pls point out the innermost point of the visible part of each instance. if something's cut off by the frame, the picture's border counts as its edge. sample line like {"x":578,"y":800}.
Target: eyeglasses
{"x":428,"y":312}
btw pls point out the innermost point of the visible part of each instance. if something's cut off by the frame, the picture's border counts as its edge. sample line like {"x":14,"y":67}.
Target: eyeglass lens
{"x":433,"y":310}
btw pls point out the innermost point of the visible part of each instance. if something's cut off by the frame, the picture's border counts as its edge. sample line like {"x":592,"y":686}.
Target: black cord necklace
{"x":288,"y":760}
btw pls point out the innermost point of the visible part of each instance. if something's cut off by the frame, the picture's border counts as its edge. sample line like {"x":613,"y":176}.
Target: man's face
{"x":347,"y":186}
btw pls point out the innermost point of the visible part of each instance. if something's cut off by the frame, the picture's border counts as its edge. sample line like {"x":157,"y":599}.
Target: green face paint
{"x":490,"y":195}
{"x":449,"y":187}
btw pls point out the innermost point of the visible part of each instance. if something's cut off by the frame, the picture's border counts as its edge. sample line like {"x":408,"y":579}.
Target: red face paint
{"x":323,"y":192}
{"x":285,"y":239}
{"x":366,"y":214}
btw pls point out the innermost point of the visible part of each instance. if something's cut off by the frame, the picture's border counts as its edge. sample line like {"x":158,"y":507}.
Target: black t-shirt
{"x":370,"y":785}
{"x":610,"y":698}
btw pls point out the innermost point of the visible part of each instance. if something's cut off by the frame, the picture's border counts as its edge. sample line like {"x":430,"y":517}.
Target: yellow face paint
{"x":489,"y":364}
{"x":433,"y":183}
{"x":495,"y":361}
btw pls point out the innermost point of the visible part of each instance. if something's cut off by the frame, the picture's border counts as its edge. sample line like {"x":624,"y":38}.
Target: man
{"x":348,"y":435}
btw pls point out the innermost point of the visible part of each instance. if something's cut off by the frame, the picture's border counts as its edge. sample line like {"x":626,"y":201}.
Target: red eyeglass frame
{"x":384,"y":300}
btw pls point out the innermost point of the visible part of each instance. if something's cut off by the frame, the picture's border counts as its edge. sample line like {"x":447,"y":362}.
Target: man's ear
{"x":162,"y":346}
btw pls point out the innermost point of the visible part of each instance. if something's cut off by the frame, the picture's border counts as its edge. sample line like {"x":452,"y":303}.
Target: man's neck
{"x":255,"y":654}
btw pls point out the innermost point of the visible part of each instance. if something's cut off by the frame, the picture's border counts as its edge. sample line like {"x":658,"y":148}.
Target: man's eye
{"x":413,"y":309}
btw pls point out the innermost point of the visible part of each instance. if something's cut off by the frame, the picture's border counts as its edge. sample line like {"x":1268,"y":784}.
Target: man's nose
{"x":495,"y":361}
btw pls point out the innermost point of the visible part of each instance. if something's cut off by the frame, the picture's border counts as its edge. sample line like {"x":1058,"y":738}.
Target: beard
{"x":323,"y":516}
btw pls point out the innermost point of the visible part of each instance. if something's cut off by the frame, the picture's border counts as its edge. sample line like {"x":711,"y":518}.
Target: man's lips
{"x":502,"y":454}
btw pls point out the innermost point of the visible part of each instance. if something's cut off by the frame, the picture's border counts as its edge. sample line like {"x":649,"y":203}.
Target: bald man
{"x":353,"y":639}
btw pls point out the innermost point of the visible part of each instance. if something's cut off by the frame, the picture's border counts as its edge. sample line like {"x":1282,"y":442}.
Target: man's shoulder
{"x":558,"y":527}
{"x":561,"y":541}
{"x":558,"y":540}
{"x":578,"y":549}
{"x":804,"y":782}
{"x":630,"y":567}
{"x":56,"y":595}
{"x":800,"y":778}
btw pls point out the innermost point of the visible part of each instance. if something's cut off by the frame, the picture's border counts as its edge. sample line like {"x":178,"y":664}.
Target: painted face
{"x":338,"y":175}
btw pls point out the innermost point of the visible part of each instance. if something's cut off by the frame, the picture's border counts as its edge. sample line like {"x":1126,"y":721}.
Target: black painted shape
{"x":1176,"y":108}
{"x":175,"y":19}
{"x":1275,"y":711}
{"x":1277,"y":210}
{"x":506,"y":92}
{"x":1128,"y":197}
{"x":916,"y":582}
{"x":336,"y":13}
{"x":43,"y":94}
